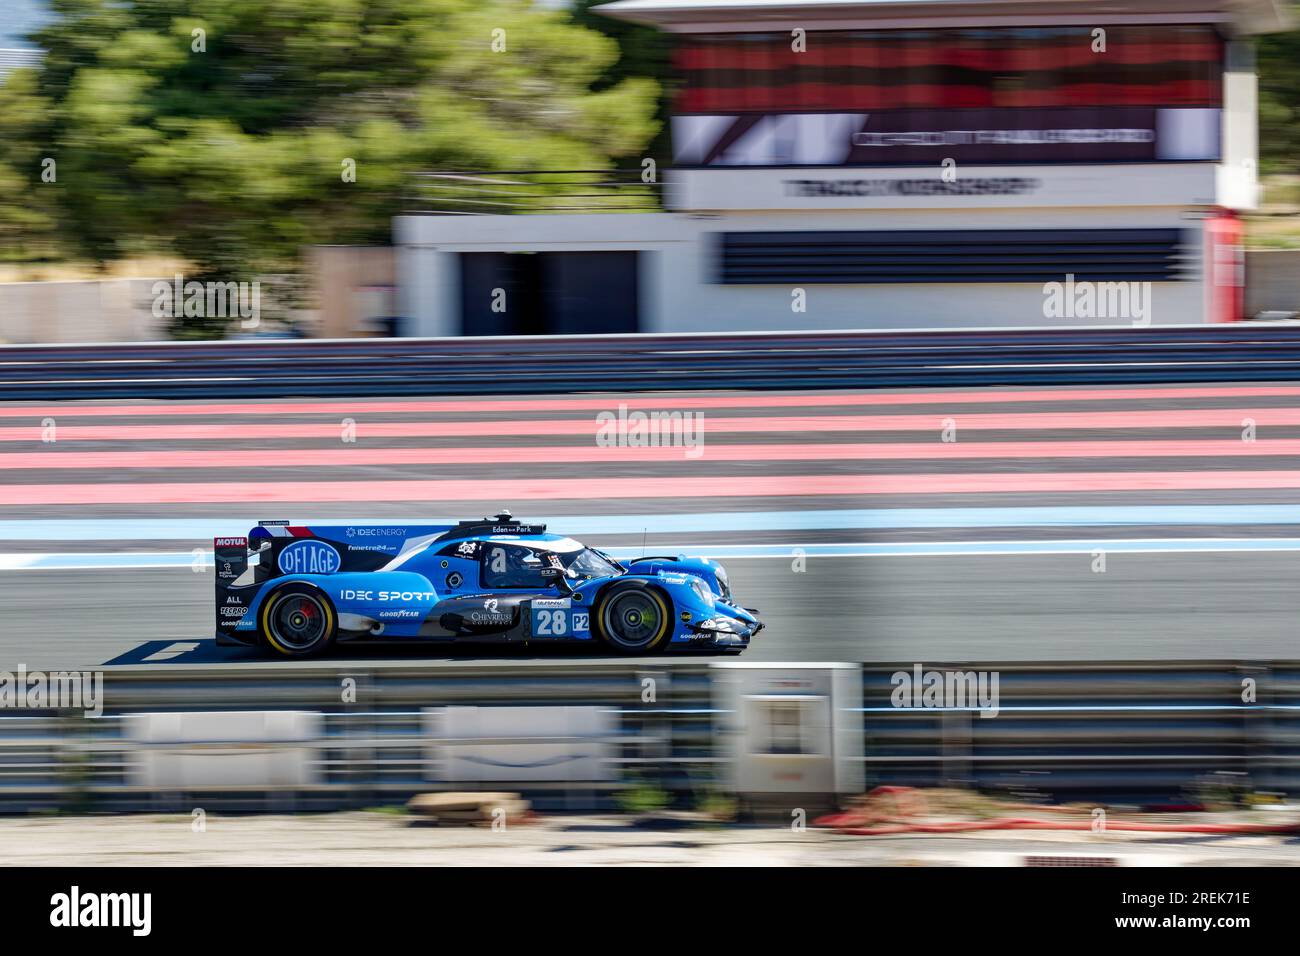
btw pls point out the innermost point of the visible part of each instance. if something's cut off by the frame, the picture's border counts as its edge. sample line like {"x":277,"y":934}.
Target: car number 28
{"x":558,"y":622}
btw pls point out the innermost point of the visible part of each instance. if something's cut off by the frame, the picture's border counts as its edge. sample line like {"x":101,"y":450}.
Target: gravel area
{"x":385,"y":838}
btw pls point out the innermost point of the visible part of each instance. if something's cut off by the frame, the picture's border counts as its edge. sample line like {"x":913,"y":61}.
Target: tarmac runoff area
{"x":381,"y":838}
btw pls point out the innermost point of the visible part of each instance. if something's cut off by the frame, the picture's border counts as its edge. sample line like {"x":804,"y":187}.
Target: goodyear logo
{"x":309,"y":556}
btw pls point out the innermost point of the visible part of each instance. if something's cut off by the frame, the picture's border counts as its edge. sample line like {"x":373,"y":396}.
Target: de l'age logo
{"x":309,"y":556}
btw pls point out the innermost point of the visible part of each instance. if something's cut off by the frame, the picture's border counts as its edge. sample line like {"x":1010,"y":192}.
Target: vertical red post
{"x":1225,"y":267}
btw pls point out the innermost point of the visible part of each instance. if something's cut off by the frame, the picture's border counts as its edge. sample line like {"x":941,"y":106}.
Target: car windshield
{"x":723,"y":583}
{"x":589,"y":564}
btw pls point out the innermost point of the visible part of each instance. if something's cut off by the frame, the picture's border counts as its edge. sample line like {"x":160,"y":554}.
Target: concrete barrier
{"x":522,"y":744}
{"x":105,"y":310}
{"x":220,"y":750}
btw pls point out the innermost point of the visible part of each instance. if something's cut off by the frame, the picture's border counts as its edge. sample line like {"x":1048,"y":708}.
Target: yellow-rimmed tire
{"x":634,"y":618}
{"x":297,"y":620}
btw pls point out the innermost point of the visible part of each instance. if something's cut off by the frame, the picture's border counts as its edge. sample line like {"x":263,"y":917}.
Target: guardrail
{"x":1159,"y":732}
{"x":455,"y":366}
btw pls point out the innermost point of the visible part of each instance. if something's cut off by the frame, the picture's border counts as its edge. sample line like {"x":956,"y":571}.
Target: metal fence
{"x":481,"y":192}
{"x":456,"y":366}
{"x":374,"y":747}
{"x":1162,"y":732}
{"x":1157,"y":732}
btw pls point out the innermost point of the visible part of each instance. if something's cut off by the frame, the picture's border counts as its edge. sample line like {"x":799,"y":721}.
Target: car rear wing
{"x":230,"y":556}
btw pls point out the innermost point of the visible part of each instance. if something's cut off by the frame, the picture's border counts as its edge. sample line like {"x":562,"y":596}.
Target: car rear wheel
{"x":298,"y":622}
{"x":635,"y":620}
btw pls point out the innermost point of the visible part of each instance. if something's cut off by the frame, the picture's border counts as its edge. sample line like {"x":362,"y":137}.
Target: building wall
{"x":1238,"y":174}
{"x":733,"y":190}
{"x":355,"y":290}
{"x":108,"y":310}
{"x":678,"y":293}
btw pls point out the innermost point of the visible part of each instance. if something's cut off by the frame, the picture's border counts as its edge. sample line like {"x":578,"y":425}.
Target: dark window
{"x":500,"y":294}
{"x":548,"y":293}
{"x":513,"y":566}
{"x":958,"y":255}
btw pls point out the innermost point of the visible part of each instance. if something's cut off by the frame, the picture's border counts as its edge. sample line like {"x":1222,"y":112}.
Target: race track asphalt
{"x":1158,"y":479}
{"x":942,"y":609}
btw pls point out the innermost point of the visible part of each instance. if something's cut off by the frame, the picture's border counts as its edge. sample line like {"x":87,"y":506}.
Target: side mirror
{"x":558,"y":578}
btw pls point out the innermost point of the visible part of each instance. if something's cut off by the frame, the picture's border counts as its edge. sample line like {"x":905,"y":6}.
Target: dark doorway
{"x":548,"y":293}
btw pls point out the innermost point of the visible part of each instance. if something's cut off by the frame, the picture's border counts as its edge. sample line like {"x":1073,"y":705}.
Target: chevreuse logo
{"x":309,"y":556}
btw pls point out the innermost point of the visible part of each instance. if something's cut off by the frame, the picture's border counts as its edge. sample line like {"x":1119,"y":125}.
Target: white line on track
{"x":166,"y":560}
{"x":196,"y":529}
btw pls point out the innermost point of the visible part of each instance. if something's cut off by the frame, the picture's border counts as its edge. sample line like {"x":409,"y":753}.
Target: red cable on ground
{"x":868,"y":821}
{"x":1013,"y":823}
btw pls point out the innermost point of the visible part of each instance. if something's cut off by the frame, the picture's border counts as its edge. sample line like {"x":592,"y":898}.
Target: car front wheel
{"x":635,"y":620}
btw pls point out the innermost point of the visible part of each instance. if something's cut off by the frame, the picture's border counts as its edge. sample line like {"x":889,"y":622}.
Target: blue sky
{"x":20,"y":17}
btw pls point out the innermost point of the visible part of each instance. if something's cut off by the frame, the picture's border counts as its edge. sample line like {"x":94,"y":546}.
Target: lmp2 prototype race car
{"x":296,"y":590}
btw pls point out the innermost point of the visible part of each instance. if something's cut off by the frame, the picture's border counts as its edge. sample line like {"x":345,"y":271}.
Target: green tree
{"x":1278,"y":60}
{"x":644,"y":53}
{"x":27,"y":213}
{"x":234,"y":132}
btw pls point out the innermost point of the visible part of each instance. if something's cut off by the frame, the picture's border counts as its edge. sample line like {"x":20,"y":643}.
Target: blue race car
{"x":296,"y":590}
